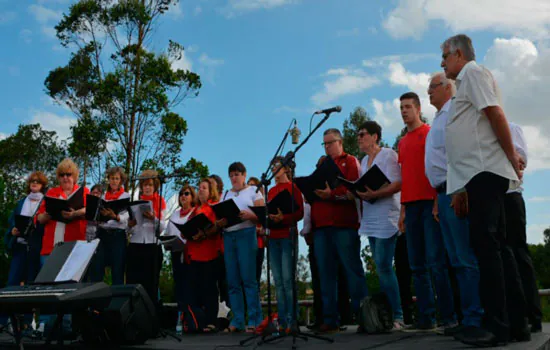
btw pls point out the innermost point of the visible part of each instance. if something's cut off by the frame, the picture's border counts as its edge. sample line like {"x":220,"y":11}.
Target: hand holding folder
{"x":24,"y":224}
{"x":374,"y":179}
{"x":56,"y":206}
{"x":326,"y":174}
{"x":283,"y":202}
{"x":93,"y":202}
{"x":229,"y":211}
{"x":193,"y":226}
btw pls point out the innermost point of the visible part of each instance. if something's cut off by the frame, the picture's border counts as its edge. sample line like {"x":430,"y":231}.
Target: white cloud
{"x":538,"y":146}
{"x":197,"y":11}
{"x":387,"y":114}
{"x":383,"y":61}
{"x":347,"y":82}
{"x":236,"y":7}
{"x":208,"y":61}
{"x":410,"y":19}
{"x":49,"y":32}
{"x":53,"y":122}
{"x":535,"y":233}
{"x":7,"y":17}
{"x":43,"y":14}
{"x":26,"y":36}
{"x":539,"y":199}
{"x":3,"y":136}
{"x":184,"y":63}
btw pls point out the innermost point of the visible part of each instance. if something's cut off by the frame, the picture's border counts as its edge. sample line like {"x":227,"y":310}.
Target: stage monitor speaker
{"x":130,"y":318}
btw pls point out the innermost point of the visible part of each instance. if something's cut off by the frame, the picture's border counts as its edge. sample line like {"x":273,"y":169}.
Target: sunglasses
{"x":186,"y":193}
{"x":65,"y":174}
{"x":361,"y":134}
{"x":35,"y":182}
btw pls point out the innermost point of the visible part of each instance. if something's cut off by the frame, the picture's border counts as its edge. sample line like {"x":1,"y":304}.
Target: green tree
{"x":116,"y":85}
{"x":29,"y":149}
{"x":351,"y":125}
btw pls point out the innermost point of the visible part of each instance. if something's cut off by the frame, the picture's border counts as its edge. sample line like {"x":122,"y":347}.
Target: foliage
{"x":351,"y":126}
{"x":29,"y":149}
{"x":123,"y":94}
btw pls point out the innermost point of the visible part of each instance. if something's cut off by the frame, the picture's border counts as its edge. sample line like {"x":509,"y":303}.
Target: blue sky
{"x":264,"y":62}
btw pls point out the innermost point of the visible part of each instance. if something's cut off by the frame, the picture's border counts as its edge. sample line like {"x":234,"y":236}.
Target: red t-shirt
{"x":414,"y":183}
{"x":288,"y":219}
{"x":207,"y":249}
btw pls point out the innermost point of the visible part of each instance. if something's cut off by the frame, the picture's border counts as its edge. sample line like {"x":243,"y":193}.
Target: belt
{"x":441,"y":188}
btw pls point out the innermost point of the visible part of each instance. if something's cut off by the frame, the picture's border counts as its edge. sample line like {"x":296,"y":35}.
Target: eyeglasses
{"x":361,"y":134}
{"x":34,"y":182}
{"x":65,"y":174}
{"x":328,"y":143}
{"x":446,"y":54}
{"x":433,"y":86}
{"x":186,"y":193}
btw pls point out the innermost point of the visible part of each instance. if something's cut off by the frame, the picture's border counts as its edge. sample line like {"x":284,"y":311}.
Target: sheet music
{"x":76,"y":263}
{"x":138,"y":210}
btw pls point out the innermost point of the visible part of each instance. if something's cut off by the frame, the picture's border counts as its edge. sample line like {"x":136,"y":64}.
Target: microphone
{"x":329,"y":110}
{"x":295,"y":133}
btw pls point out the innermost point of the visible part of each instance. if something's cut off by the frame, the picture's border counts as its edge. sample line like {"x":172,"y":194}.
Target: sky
{"x":265,"y":62}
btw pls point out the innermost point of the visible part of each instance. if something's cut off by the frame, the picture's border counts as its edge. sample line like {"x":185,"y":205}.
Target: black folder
{"x":374,"y":179}
{"x":92,"y":202}
{"x":22,"y":223}
{"x":54,"y":206}
{"x":228,"y":210}
{"x":142,"y":208}
{"x":193,"y":225}
{"x":327,"y":172}
{"x":283,"y":201}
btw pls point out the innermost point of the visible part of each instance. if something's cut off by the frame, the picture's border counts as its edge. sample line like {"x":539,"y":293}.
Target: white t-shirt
{"x":381,"y":218}
{"x":243,"y":198}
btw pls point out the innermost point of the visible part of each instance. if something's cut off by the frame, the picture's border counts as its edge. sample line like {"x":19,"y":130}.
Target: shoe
{"x":398,"y":325}
{"x":521,"y":335}
{"x":479,"y":337}
{"x":449,"y":330}
{"x":420,"y":328}
{"x":328,"y":329}
{"x":536,"y":327}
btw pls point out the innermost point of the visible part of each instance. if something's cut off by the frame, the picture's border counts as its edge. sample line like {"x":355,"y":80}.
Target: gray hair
{"x":333,"y":131}
{"x":444,"y":80}
{"x":463,"y":43}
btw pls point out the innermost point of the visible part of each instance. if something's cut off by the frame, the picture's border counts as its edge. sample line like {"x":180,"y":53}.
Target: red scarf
{"x":57,"y":192}
{"x":185,"y":212}
{"x":154,"y":199}
{"x":111,"y":196}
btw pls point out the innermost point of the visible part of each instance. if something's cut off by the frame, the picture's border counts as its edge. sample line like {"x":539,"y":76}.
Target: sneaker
{"x":398,"y":325}
{"x":448,"y":329}
{"x":420,"y":328}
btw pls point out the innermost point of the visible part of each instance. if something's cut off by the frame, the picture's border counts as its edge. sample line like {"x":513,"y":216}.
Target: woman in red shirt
{"x":202,"y":253}
{"x":280,"y":243}
{"x":260,"y":232}
{"x":75,"y":228}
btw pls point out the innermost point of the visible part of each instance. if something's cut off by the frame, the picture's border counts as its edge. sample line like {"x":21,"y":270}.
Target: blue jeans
{"x":427,"y":256}
{"x":111,"y":251}
{"x":456,"y":236}
{"x":333,"y":243}
{"x":240,"y":265}
{"x":18,"y":266}
{"x":383,"y":250}
{"x":280,"y":258}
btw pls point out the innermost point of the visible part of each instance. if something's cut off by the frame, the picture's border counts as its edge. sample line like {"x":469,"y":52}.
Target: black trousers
{"x":260,"y":257}
{"x":202,"y":282}
{"x":501,"y":291}
{"x":143,"y":265}
{"x":222,"y":280}
{"x":180,"y":272}
{"x":516,"y":238}
{"x":404,"y":278}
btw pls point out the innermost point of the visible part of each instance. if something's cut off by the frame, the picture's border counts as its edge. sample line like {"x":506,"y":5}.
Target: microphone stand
{"x":265,"y":180}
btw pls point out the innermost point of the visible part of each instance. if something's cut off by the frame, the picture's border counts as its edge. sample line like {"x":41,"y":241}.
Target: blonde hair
{"x":68,"y":166}
{"x":213,"y":189}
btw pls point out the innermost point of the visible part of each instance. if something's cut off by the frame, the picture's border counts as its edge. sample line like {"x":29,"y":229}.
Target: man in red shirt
{"x":424,"y":239}
{"x":336,"y":222}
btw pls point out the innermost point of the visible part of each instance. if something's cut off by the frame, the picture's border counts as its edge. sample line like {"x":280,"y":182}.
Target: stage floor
{"x":343,"y":340}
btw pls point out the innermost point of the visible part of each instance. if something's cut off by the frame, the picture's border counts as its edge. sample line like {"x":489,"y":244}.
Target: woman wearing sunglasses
{"x":187,"y":199}
{"x":25,"y":250}
{"x":75,"y":228}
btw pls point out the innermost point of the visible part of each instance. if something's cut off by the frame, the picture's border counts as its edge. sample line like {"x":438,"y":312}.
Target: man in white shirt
{"x":516,"y":237}
{"x":454,"y":229}
{"x":482,"y":163}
